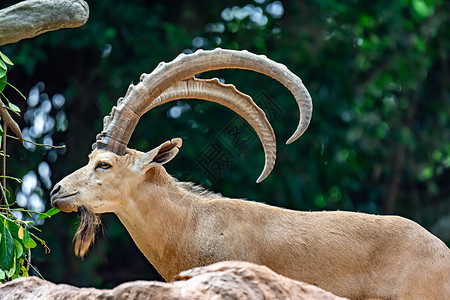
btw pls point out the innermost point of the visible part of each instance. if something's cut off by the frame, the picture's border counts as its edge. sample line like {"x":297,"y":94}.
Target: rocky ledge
{"x":224,"y":280}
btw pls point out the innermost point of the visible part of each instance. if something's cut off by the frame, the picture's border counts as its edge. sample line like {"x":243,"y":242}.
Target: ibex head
{"x":114,"y":171}
{"x":107,"y":182}
{"x":97,"y":181}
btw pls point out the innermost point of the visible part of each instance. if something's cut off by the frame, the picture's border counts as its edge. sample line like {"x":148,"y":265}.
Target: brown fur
{"x":178,"y":227}
{"x":87,"y":230}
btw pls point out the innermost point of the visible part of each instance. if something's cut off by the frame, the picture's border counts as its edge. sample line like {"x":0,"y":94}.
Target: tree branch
{"x":30,"y":18}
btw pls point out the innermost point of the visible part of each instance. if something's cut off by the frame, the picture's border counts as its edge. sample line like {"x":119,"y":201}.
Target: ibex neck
{"x":157,"y":219}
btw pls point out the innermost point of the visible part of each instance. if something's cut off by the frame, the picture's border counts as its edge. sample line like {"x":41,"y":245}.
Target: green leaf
{"x":48,"y":214}
{"x":422,"y":9}
{"x":6,"y":59}
{"x":14,"y":107}
{"x":427,"y":173}
{"x":3,"y":69}
{"x":26,"y":237}
{"x":19,"y":248}
{"x":3,"y":66}
{"x":2,"y":274}
{"x":19,"y":264}
{"x":14,"y":229}
{"x":12,"y":269}
{"x":6,"y":247}
{"x":31,"y":243}
{"x":37,"y":238}
{"x":2,"y":83}
{"x":320,"y":201}
{"x":24,"y":271}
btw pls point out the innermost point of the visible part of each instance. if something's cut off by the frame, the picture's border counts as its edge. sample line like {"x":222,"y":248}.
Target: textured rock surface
{"x":225,"y":280}
{"x":29,"y":18}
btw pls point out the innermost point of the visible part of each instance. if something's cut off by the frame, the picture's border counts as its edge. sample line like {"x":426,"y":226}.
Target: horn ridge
{"x":227,"y":95}
{"x":121,"y":124}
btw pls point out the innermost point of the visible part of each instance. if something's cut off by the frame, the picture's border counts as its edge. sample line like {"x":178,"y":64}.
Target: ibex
{"x":180,"y":226}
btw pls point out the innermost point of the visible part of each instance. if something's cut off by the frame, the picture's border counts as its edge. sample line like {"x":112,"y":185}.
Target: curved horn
{"x":125,"y":116}
{"x":227,"y":95}
{"x":119,"y":126}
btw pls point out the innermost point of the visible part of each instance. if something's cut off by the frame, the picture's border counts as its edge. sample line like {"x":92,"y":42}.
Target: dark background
{"x":379,"y":140}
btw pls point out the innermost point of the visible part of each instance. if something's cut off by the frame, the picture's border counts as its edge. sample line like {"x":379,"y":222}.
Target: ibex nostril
{"x":55,"y":191}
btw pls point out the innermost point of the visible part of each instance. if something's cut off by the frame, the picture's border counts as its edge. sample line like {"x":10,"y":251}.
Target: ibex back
{"x":179,"y":226}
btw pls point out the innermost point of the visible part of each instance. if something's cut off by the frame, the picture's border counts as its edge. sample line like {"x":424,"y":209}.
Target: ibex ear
{"x":159,"y":155}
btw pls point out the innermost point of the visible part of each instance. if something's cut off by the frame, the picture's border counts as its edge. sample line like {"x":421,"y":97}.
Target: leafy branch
{"x":16,"y":241}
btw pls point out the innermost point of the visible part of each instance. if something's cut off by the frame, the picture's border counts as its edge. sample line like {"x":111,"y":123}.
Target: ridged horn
{"x":119,"y":126}
{"x":227,"y":95}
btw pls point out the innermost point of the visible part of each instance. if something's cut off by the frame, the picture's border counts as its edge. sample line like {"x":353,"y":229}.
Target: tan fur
{"x":354,"y":255}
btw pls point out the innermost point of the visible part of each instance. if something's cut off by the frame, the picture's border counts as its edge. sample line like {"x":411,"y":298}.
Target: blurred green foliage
{"x":379,"y":140}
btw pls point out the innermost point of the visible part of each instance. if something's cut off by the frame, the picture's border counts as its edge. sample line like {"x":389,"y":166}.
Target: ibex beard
{"x":87,"y":230}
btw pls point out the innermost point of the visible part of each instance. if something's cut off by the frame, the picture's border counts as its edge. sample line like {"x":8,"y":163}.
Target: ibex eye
{"x":103,"y":165}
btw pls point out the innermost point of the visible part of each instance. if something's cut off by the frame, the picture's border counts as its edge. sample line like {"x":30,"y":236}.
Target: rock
{"x":224,"y":280}
{"x":29,"y":18}
{"x":243,"y":280}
